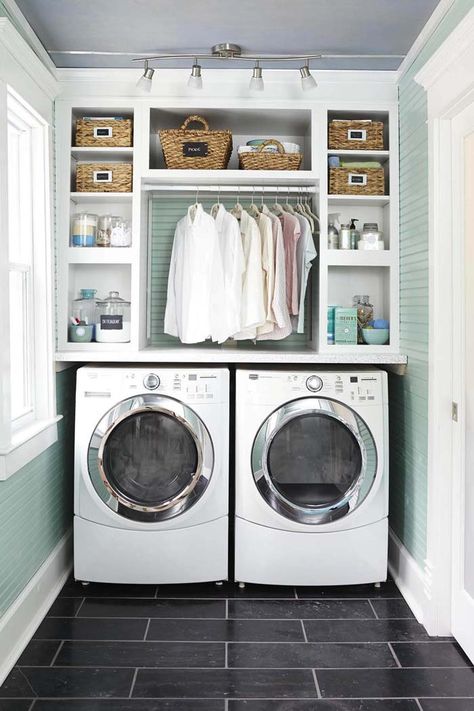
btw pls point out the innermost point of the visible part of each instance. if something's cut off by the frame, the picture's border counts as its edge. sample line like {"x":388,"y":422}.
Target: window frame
{"x":24,"y":439}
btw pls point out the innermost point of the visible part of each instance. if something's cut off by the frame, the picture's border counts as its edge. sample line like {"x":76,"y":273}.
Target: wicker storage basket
{"x":196,"y":149}
{"x":262,"y":160}
{"x":356,"y":135}
{"x":104,"y":177}
{"x":101,"y":132}
{"x":356,"y":181}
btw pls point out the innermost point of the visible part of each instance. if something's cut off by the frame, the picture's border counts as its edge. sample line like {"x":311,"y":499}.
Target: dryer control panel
{"x":357,"y":387}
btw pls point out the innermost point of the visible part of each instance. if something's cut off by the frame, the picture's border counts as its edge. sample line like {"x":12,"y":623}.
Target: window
{"x":28,"y":416}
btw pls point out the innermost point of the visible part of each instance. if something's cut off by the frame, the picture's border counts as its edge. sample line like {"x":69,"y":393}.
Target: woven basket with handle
{"x":197,"y":149}
{"x":263,"y":160}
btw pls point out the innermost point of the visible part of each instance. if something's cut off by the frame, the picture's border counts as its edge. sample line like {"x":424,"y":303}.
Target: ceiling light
{"x":308,"y":82}
{"x":195,"y":78}
{"x":144,"y":83}
{"x":256,"y":82}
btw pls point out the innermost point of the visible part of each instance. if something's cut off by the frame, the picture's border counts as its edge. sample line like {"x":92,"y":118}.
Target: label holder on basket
{"x":357,"y":179}
{"x":103,"y":132}
{"x":102,"y":176}
{"x":356,"y":134}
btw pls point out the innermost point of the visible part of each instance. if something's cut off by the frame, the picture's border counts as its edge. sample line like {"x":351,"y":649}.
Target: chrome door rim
{"x":317,"y":513}
{"x":151,"y":402}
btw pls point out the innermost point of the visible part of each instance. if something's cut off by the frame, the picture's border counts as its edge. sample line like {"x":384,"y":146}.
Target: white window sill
{"x":27,"y":444}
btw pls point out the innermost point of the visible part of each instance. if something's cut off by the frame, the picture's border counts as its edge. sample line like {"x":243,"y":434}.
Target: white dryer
{"x":151,"y":474}
{"x":311,"y":477}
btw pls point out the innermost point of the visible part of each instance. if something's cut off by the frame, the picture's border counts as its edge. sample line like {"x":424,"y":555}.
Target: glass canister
{"x":104,"y":229}
{"x":365,"y":313}
{"x":113,"y":319}
{"x":83,"y":229}
{"x":372,"y":236}
{"x":121,"y":233}
{"x":83,"y":308}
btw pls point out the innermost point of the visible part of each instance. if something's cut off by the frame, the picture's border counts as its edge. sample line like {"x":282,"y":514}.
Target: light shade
{"x":145,"y":81}
{"x":308,"y":82}
{"x":256,"y":82}
{"x":195,"y":78}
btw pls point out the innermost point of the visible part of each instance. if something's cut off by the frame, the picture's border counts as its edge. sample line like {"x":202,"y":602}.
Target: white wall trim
{"x":448,"y":78}
{"x":14,"y":12}
{"x":19,"y":623}
{"x":427,"y":31}
{"x":411,"y":580}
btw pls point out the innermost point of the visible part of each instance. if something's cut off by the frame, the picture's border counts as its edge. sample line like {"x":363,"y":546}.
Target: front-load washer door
{"x":314,"y":460}
{"x":150,"y":458}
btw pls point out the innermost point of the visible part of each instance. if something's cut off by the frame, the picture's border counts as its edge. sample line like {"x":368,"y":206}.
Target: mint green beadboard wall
{"x":409,"y":394}
{"x":36,"y":502}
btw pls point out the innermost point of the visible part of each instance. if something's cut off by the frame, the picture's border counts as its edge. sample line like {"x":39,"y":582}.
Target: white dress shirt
{"x":252,"y":306}
{"x":195,"y":301}
{"x":268,"y":265}
{"x":233,"y":264}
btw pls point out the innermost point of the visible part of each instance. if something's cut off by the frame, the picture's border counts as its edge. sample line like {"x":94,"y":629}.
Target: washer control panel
{"x":151,"y":381}
{"x":314,"y":383}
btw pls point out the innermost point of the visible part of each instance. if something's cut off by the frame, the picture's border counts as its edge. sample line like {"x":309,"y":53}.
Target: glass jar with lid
{"x":104,"y":229}
{"x":113,"y":319}
{"x":83,"y":308}
{"x":121,"y":233}
{"x":365,"y":314}
{"x":83,"y":229}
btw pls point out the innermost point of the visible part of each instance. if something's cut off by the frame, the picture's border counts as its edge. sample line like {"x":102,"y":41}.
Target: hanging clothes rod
{"x":250,"y":189}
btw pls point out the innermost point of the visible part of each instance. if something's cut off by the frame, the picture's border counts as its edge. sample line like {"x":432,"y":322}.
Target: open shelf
{"x":90,"y":154}
{"x":229,"y":177}
{"x":358,"y":258}
{"x":358,"y":200}
{"x":100,"y":255}
{"x":380,"y":155}
{"x":98,"y":198}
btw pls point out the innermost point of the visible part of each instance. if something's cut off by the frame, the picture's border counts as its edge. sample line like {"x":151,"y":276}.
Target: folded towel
{"x":360,"y":164}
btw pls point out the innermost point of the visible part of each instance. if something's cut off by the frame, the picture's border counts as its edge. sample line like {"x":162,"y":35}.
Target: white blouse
{"x":252,"y":305}
{"x":195,"y":300}
{"x":305,"y":253}
{"x":233,"y":264}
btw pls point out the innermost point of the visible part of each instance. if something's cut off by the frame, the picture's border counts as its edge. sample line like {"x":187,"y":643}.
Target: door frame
{"x":448,"y":79}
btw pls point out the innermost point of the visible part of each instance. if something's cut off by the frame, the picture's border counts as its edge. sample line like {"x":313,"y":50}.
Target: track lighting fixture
{"x":144,"y":83}
{"x":308,"y":82}
{"x":195,"y":78}
{"x":256,"y":82}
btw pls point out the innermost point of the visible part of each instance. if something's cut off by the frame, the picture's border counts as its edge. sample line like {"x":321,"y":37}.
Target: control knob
{"x":151,"y":381}
{"x":314,"y":383}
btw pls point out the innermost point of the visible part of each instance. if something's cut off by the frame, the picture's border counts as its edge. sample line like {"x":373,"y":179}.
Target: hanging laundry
{"x":305,"y":253}
{"x":291,"y":235}
{"x":233,"y":265}
{"x":252,"y":305}
{"x":282,"y":327}
{"x":195,"y":299}
{"x":268,"y":266}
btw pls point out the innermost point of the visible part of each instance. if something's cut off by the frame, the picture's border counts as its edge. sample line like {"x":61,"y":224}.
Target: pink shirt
{"x":291,"y":235}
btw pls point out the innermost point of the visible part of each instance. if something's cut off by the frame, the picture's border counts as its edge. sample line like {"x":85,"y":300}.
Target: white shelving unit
{"x":337,"y":275}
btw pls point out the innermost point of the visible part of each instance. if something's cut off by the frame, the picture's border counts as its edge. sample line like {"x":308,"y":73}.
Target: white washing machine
{"x":151,"y":474}
{"x":311,"y":477}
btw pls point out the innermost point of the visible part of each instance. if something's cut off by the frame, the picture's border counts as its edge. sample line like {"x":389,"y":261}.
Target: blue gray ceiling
{"x":259,"y":26}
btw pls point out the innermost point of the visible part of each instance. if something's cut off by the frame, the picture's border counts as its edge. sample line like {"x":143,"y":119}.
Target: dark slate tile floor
{"x":209,"y":648}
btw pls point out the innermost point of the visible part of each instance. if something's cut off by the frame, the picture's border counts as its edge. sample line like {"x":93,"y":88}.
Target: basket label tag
{"x":195,"y":149}
{"x":102,"y":176}
{"x":103,"y":131}
{"x":111,"y":323}
{"x":356,"y":134}
{"x":357,"y":179}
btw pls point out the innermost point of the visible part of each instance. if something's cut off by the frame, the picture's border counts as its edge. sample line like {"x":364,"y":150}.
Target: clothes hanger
{"x":216,"y":206}
{"x":312,"y":214}
{"x":287,"y":207}
{"x":237,"y":209}
{"x":301,"y":211}
{"x":253,"y":209}
{"x":194,"y":207}
{"x":276,"y":207}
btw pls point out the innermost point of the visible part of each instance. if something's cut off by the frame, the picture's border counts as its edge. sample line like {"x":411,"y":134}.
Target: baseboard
{"x":409,"y":577}
{"x":19,"y":623}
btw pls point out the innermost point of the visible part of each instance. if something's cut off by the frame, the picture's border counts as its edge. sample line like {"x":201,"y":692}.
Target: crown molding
{"x":22,"y":54}
{"x":427,"y":31}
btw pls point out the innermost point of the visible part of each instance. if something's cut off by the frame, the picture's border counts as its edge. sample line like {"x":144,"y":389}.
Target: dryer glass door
{"x":150,"y":457}
{"x":314,"y":460}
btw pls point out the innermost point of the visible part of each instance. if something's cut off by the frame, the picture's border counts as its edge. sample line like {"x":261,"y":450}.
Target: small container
{"x":345,"y":326}
{"x":104,"y":229}
{"x":80,"y":333}
{"x":113,"y":319}
{"x":84,"y":308}
{"x":83,"y":230}
{"x":333,"y":236}
{"x":334,"y":161}
{"x":375,"y":336}
{"x":365,"y":314}
{"x":121,"y":233}
{"x":372,"y":236}
{"x":355,"y":234}
{"x":331,"y":325}
{"x":345,"y":237}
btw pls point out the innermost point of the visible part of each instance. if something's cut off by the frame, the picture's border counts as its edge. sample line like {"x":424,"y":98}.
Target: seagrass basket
{"x":104,"y":177}
{"x":355,"y":135}
{"x":196,"y":148}
{"x":102,"y":132}
{"x":356,"y":181}
{"x":263,"y":160}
